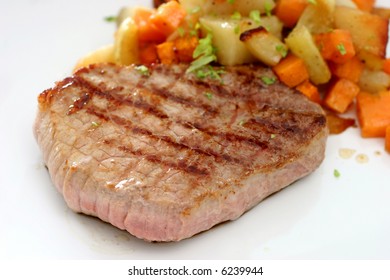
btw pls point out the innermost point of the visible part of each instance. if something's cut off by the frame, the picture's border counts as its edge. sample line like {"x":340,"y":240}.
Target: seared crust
{"x":166,"y":154}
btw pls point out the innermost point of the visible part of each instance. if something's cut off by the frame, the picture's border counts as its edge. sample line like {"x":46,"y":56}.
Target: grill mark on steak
{"x":233,"y":136}
{"x":268,"y":124}
{"x":179,"y":165}
{"x":253,"y":126}
{"x":150,"y":108}
{"x":188,"y":102}
{"x":252,"y":140}
{"x":110,"y":95}
{"x":182,"y":145}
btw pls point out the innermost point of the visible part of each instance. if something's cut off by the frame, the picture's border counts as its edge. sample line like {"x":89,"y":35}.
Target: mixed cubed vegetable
{"x":333,"y":51}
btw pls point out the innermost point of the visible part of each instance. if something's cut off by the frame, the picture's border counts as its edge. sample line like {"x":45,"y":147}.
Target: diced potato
{"x":124,"y":13}
{"x":318,"y":18}
{"x":369,"y":32}
{"x":126,"y":43}
{"x":229,"y":49}
{"x":302,"y":44}
{"x":271,"y":23}
{"x":372,"y":61}
{"x":244,"y":7}
{"x":104,"y":54}
{"x":346,"y":3}
{"x":266,"y":47}
{"x":374,"y":81}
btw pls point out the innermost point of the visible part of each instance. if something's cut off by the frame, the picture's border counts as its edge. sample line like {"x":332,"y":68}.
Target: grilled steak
{"x":165,"y":154}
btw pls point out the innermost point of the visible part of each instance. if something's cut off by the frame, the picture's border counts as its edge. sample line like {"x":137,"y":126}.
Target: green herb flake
{"x":336,"y":173}
{"x":268,"y":8}
{"x":203,"y":54}
{"x":110,"y":18}
{"x":195,"y":10}
{"x":241,"y":123}
{"x":209,"y":72}
{"x":181,"y":31}
{"x":193,"y":32}
{"x":236,"y":16}
{"x":255,"y":16}
{"x":268,"y":80}
{"x":237,"y":29}
{"x":143,"y":70}
{"x":209,"y":95}
{"x":95,"y":124}
{"x":342,"y":49}
{"x":314,"y":2}
{"x":282,"y":50}
{"x":231,"y":1}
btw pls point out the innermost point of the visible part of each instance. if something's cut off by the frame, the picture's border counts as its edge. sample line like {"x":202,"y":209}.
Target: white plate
{"x":319,"y":217}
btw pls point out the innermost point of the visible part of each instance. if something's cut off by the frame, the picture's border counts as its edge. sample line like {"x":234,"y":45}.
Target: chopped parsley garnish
{"x":237,"y":29}
{"x":268,"y":8}
{"x":209,"y":95}
{"x":110,"y":18}
{"x":181,"y":31}
{"x":195,"y":10}
{"x":236,"y":16}
{"x":143,"y":70}
{"x":314,"y":2}
{"x":282,"y":50}
{"x":255,"y":16}
{"x":336,"y":173}
{"x":241,"y":123}
{"x":95,"y":124}
{"x":203,"y":54}
{"x":342,"y":49}
{"x":231,"y":1}
{"x":209,"y":72}
{"x":268,"y":80}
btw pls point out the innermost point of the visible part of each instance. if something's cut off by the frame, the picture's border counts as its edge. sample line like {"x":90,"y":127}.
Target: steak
{"x":166,"y":154}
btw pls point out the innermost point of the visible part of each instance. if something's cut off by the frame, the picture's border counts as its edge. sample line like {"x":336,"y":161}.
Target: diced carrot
{"x":291,"y":70}
{"x":337,"y":124}
{"x":168,"y":17}
{"x":147,"y":31}
{"x":336,"y":46}
{"x":386,"y":66}
{"x":365,"y":5}
{"x":148,"y":54}
{"x":351,"y":69}
{"x":387,"y":139}
{"x":373,"y":113}
{"x":166,"y":52}
{"x":341,"y":94}
{"x":185,"y":47}
{"x":178,"y":50}
{"x":289,"y":11}
{"x":310,"y":90}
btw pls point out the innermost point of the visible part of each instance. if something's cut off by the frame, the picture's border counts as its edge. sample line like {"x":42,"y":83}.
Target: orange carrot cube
{"x":352,"y":69}
{"x":373,"y":113}
{"x":291,"y":70}
{"x":310,"y":90}
{"x":336,"y":46}
{"x":289,"y":11}
{"x":341,"y":94}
